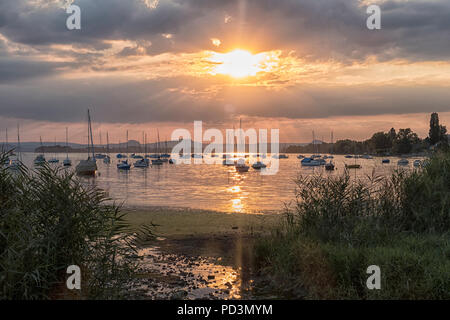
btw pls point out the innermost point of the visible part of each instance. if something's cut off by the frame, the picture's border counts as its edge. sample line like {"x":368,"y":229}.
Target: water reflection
{"x":214,"y":187}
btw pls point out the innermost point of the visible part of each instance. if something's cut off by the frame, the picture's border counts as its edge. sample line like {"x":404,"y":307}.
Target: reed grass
{"x":337,"y":227}
{"x":50,"y":220}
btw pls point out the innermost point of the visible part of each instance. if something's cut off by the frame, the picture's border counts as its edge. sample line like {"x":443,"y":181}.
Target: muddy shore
{"x":198,"y":254}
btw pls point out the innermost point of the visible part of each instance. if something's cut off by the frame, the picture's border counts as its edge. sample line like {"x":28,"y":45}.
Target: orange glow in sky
{"x":241,"y":63}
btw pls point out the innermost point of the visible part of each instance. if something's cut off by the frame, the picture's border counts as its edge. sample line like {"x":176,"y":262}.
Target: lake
{"x":212,"y":187}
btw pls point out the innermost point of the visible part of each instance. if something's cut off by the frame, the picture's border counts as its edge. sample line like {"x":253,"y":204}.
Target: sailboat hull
{"x":86,"y":168}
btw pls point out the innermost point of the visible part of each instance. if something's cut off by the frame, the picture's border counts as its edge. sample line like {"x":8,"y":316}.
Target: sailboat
{"x":124,"y":165}
{"x":6,"y":150}
{"x":241,"y":166}
{"x":67,"y":162}
{"x":16,"y":163}
{"x":100,"y":155}
{"x":40,"y":159}
{"x":54,"y":159}
{"x":143,"y":163}
{"x":88,"y":166}
{"x":158,"y":161}
{"x":107,"y":158}
{"x":166,"y":154}
{"x":355,"y":165}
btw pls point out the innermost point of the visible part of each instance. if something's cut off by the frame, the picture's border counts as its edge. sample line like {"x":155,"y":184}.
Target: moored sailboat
{"x":67,"y":162}
{"x":88,"y":167}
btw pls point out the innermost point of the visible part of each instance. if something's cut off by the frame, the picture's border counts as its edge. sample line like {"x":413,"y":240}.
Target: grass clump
{"x":337,"y":227}
{"x":50,"y":220}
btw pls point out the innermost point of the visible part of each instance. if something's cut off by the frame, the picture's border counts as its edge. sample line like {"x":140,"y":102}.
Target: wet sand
{"x":197,"y":255}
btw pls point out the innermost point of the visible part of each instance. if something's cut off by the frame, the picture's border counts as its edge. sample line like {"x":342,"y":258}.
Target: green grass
{"x":48,"y":221}
{"x":338,"y":227}
{"x":179,"y":223}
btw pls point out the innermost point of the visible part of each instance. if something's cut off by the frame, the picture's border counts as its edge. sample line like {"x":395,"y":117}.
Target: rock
{"x":179,"y":295}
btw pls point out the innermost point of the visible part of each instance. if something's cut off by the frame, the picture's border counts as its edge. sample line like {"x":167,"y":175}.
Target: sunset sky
{"x":296,"y":65}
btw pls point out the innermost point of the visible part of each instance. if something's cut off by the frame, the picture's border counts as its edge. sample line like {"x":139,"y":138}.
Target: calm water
{"x":212,"y":187}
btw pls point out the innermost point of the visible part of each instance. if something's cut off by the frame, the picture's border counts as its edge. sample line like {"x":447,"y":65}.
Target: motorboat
{"x":417,"y":163}
{"x":39,"y":160}
{"x":309,"y":162}
{"x":258,"y":165}
{"x":123,"y":165}
{"x":157,"y":162}
{"x":329,"y":166}
{"x":280,"y":156}
{"x":241,"y":166}
{"x":141,"y":163}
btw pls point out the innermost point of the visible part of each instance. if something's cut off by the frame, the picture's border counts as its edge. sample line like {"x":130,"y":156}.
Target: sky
{"x":295,"y":65}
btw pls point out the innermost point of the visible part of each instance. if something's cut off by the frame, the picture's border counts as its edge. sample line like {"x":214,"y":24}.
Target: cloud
{"x":169,"y":99}
{"x":49,"y":73}
{"x":321,"y":29}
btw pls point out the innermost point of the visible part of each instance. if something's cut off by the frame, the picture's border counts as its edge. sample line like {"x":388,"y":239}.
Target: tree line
{"x":403,"y":141}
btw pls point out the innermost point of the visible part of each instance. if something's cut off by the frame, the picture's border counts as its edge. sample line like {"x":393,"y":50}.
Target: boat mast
{"x":107,"y":143}
{"x":127,"y":143}
{"x":314,"y":142}
{"x":90,"y":135}
{"x":18,"y":143}
{"x":67,"y":143}
{"x":332,"y":144}
{"x":158,"y":152}
{"x":145,"y":144}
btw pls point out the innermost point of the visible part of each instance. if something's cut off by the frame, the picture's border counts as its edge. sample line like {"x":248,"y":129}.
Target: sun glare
{"x":241,"y":63}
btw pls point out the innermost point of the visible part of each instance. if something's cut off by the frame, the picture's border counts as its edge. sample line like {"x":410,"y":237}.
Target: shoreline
{"x":198,"y":254}
{"x":174,"y":222}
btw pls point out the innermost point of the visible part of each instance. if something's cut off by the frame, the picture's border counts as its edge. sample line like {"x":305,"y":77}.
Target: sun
{"x":239,"y":63}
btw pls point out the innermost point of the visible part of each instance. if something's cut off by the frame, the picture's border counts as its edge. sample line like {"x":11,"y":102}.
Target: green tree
{"x":437,"y":132}
{"x":380,"y":141}
{"x":405,"y":141}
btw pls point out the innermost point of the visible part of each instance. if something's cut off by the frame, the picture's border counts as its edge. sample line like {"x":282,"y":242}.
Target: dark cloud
{"x":418,"y":30}
{"x":162,"y":100}
{"x":12,"y":69}
{"x":315,"y":29}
